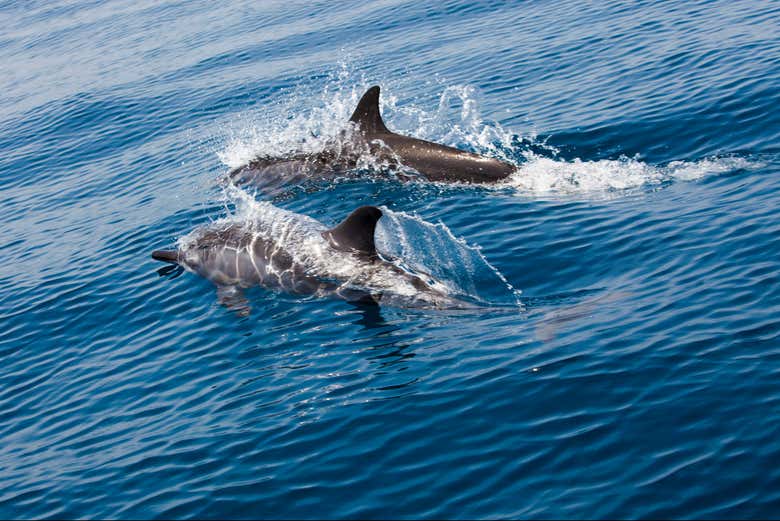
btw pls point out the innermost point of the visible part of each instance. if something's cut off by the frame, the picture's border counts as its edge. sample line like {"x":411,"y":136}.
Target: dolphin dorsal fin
{"x":366,"y":115}
{"x":356,"y":233}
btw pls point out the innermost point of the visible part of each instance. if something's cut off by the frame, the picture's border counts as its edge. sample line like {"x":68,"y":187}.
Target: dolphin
{"x":284,"y":251}
{"x":368,"y":136}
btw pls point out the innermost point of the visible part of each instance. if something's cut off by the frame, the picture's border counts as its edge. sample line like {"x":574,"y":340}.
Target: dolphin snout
{"x":166,"y":256}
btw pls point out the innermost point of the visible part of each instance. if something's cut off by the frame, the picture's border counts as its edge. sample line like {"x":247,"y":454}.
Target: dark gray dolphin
{"x":436,"y":162}
{"x":370,"y":136}
{"x":284,"y":251}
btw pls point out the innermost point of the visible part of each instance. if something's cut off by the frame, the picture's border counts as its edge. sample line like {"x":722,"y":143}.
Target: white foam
{"x":688,"y":171}
{"x":543,"y":175}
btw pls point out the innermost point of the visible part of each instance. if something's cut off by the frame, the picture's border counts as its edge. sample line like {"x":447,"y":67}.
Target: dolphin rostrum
{"x":284,"y":251}
{"x":369,"y":136}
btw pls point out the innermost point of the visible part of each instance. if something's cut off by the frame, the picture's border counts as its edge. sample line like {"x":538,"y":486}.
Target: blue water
{"x":630,"y":367}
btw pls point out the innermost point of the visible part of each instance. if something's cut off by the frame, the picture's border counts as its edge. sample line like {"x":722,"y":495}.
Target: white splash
{"x":304,"y":121}
{"x":300,"y":121}
{"x":425,"y":247}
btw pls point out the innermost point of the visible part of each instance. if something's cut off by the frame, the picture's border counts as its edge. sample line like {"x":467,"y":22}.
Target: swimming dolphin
{"x":284,"y":251}
{"x":370,"y":136}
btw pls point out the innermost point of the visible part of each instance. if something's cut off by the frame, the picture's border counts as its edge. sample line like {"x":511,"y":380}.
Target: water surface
{"x":636,"y":375}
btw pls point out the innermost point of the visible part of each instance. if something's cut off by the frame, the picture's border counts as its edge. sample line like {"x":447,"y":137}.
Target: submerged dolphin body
{"x":284,"y":251}
{"x":371,"y":137}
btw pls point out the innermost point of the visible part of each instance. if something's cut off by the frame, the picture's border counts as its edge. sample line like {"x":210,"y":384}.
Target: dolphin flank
{"x":372,"y":137}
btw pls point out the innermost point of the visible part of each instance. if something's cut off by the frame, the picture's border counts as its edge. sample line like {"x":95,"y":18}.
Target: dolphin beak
{"x":166,"y":256}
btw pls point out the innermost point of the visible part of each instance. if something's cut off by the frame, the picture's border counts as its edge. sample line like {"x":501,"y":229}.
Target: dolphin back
{"x":434,"y":161}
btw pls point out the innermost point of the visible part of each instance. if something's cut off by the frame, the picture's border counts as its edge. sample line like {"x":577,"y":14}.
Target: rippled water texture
{"x":628,"y":363}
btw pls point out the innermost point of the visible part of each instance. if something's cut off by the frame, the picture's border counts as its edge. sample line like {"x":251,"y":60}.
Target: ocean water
{"x":626,"y":360}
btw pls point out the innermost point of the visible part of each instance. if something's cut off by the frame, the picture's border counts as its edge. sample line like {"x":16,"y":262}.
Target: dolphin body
{"x":284,"y":251}
{"x":369,"y":136}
